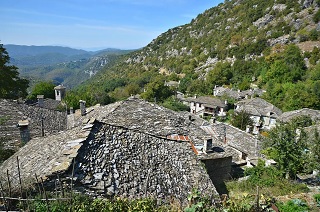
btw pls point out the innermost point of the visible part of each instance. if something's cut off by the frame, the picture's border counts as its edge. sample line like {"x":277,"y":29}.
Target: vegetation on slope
{"x":236,"y":44}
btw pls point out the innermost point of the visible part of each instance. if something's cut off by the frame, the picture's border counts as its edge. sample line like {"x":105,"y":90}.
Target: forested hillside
{"x":272,"y":44}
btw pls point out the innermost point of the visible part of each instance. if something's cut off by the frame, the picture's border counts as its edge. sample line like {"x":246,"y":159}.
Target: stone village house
{"x":263,"y":113}
{"x":237,"y":94}
{"x":205,"y":106}
{"x":288,"y":116}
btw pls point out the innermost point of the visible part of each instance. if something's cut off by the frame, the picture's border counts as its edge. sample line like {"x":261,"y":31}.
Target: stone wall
{"x":219,"y":170}
{"x":53,"y":121}
{"x":9,"y":117}
{"x":119,"y":161}
{"x":13,"y":112}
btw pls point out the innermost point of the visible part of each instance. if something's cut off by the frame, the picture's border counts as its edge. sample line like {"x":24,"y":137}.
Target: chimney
{"x":24,"y":131}
{"x":71,"y":110}
{"x":226,"y":102}
{"x":83,"y":107}
{"x":224,"y":134}
{"x":248,"y":128}
{"x":40,"y":100}
{"x":207,"y":145}
{"x":195,"y":96}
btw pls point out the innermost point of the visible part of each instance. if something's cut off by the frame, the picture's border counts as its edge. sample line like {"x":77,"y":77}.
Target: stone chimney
{"x":71,"y":110}
{"x":207,"y":145}
{"x":83,"y":107}
{"x":224,"y":134}
{"x":24,"y":131}
{"x":40,"y":100}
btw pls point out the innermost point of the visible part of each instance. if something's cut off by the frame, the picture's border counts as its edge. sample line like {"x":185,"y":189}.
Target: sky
{"x":94,"y":24}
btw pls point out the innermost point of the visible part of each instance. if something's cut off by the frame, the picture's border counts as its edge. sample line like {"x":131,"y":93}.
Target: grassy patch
{"x":269,"y":180}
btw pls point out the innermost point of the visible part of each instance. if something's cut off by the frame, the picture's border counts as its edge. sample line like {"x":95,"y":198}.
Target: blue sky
{"x":94,"y":24}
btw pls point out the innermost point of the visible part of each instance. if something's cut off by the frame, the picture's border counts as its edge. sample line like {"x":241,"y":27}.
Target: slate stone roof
{"x":48,"y":103}
{"x":258,"y":107}
{"x":222,"y":91}
{"x":156,"y":120}
{"x":44,"y":156}
{"x":147,"y":117}
{"x":172,"y":83}
{"x":232,"y":138}
{"x":287,"y":116}
{"x":10,"y":114}
{"x":207,"y":101}
{"x":15,"y":111}
{"x":59,"y":87}
{"x":123,"y":152}
{"x":123,"y":149}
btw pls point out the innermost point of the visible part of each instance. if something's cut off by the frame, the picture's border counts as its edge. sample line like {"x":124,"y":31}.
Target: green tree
{"x":11,"y":85}
{"x":156,"y":90}
{"x":220,"y":74}
{"x":287,"y":145}
{"x":315,"y":149}
{"x":287,"y":66}
{"x":316,"y":17}
{"x":241,"y":120}
{"x":45,"y":88}
{"x":174,"y":104}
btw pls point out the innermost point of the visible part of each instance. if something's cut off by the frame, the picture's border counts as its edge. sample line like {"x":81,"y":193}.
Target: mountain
{"x":239,"y":44}
{"x":22,"y":55}
{"x":23,"y":50}
{"x":63,"y":65}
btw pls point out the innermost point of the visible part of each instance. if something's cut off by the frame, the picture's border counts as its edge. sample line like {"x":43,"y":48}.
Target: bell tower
{"x":60,"y":92}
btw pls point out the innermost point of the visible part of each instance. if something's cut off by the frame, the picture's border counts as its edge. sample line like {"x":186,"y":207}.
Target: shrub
{"x":316,"y":17}
{"x":268,"y":179}
{"x":295,"y":205}
{"x":317,"y":199}
{"x":173,"y":104}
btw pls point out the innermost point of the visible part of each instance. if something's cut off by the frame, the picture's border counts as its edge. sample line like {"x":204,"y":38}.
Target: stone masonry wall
{"x":53,"y":121}
{"x":13,"y":112}
{"x":123,"y":162}
{"x":219,"y":170}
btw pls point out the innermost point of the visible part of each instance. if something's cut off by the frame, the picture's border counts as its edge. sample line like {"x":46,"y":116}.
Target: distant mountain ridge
{"x":63,"y":65}
{"x":24,"y":50}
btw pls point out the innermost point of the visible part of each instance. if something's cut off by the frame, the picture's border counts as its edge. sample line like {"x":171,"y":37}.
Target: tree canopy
{"x":11,"y":85}
{"x":294,"y":150}
{"x":241,"y":120}
{"x":45,"y":88}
